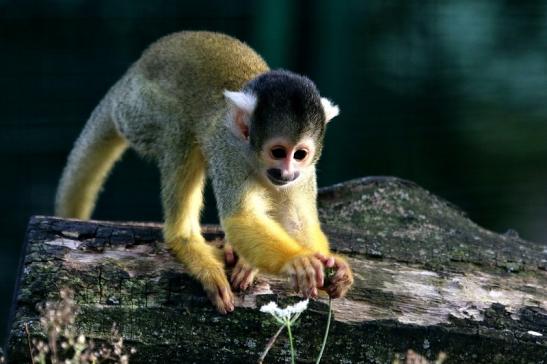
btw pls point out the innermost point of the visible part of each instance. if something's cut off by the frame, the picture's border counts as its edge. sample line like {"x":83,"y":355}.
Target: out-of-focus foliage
{"x":450,"y":94}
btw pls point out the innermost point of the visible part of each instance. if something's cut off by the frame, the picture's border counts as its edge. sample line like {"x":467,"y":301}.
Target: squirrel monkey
{"x":203,"y":102}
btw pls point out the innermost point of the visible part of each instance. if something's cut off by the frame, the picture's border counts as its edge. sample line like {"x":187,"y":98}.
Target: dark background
{"x":449,"y":94}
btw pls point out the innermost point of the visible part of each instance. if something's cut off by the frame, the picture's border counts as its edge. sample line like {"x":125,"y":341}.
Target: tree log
{"x":426,"y":278}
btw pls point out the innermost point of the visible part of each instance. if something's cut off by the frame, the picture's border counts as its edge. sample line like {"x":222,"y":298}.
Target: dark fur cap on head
{"x":287,"y":105}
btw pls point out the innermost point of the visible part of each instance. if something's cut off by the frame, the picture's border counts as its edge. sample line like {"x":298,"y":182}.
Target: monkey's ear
{"x":331,"y":110}
{"x":242,"y":106}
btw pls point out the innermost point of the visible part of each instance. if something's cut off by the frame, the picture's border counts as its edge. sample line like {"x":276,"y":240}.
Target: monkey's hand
{"x":305,"y":274}
{"x":339,"y":284}
{"x":243,"y":273}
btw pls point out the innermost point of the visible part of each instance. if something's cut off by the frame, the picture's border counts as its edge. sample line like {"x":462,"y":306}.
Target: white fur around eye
{"x":331,"y":110}
{"x":241,"y":100}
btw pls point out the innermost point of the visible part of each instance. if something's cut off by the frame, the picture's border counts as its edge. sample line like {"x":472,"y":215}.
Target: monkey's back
{"x":200,"y":64}
{"x":176,"y":88}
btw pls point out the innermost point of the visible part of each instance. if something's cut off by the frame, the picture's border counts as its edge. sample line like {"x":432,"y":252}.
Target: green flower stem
{"x":291,"y":341}
{"x":326,"y":333}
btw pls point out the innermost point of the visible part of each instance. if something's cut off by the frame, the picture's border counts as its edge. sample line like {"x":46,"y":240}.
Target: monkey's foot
{"x":204,"y":262}
{"x":217,"y":288}
{"x":243,"y":275}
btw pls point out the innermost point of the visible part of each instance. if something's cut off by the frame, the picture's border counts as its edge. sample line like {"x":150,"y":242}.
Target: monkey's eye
{"x":300,"y":154}
{"x":278,"y":153}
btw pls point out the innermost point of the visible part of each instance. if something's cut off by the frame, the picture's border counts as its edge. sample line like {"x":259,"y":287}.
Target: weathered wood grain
{"x":427,"y":278}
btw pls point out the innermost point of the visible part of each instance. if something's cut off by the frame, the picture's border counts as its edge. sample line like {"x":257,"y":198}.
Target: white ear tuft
{"x":243,"y":101}
{"x":331,"y":110}
{"x":242,"y":106}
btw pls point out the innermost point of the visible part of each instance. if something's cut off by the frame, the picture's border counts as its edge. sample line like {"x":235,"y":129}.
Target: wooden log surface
{"x":426,"y":278}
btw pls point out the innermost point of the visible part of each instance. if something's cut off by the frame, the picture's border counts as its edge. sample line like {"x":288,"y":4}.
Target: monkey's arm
{"x":340,"y":283}
{"x":262,"y":241}
{"x":266,"y":245}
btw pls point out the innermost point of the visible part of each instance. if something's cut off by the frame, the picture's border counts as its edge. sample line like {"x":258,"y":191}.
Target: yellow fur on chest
{"x":290,"y":213}
{"x":290,"y":219}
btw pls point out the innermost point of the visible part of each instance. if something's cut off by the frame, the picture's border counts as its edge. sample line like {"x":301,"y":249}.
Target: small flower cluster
{"x":57,"y":320}
{"x":289,"y":313}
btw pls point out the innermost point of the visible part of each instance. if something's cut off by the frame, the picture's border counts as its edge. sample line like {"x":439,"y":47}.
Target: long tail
{"x":96,"y":150}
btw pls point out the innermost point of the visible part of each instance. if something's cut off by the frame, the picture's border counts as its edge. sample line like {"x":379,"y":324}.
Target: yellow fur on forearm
{"x":196,"y":255}
{"x":318,"y":239}
{"x":261,"y":241}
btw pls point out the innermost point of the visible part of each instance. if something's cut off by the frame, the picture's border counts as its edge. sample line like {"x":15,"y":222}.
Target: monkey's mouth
{"x":279,"y":182}
{"x":275,"y":176}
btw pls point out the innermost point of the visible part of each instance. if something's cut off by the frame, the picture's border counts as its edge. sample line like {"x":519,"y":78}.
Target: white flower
{"x":298,"y":307}
{"x":269,"y":308}
{"x":284,"y":314}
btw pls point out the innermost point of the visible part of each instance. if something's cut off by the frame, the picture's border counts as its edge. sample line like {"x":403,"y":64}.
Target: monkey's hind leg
{"x":183,"y":178}
{"x":95,"y":151}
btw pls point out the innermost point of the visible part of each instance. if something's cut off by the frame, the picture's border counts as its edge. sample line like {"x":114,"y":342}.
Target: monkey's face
{"x":282,"y":118}
{"x":284,"y":161}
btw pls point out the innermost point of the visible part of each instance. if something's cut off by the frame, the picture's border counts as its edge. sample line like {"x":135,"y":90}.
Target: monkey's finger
{"x":302,"y":277}
{"x":248,"y":279}
{"x":229,"y":255}
{"x":342,"y":274}
{"x":320,"y":256}
{"x":310,"y":277}
{"x":238,"y":279}
{"x":228,"y":298}
{"x":334,"y":292}
{"x":319,"y":275}
{"x":235,"y":273}
{"x":289,"y":272}
{"x":338,"y":291}
{"x":339,"y":275}
{"x":341,"y":263}
{"x":294,"y":282}
{"x":225,"y":298}
{"x":327,"y":261}
{"x":310,"y":283}
{"x":340,"y":287}
{"x":216,"y":300}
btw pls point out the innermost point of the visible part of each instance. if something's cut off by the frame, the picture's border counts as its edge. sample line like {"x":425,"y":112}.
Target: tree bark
{"x":426,"y":278}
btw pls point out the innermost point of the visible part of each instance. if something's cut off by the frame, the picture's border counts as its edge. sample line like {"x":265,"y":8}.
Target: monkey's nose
{"x":277,"y":176}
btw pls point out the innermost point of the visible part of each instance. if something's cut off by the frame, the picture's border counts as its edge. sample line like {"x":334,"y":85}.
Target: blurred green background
{"x":449,"y":94}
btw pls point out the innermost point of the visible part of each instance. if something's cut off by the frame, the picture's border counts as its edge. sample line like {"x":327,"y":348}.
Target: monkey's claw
{"x":243,"y":275}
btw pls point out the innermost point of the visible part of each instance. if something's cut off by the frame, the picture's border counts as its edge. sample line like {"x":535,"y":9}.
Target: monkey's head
{"x":282,"y":118}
